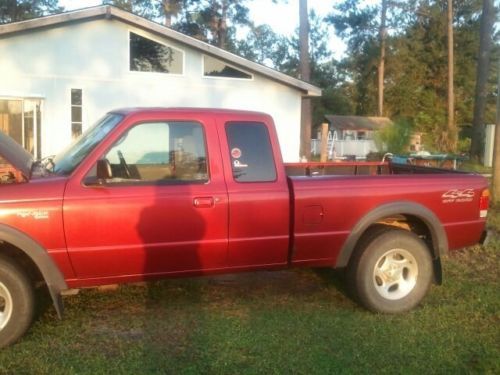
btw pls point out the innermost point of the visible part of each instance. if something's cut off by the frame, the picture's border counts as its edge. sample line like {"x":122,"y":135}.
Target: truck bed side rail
{"x":398,"y":168}
{"x":337,"y":168}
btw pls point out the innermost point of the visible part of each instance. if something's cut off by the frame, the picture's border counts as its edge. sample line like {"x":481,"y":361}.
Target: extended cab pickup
{"x":152,"y":193}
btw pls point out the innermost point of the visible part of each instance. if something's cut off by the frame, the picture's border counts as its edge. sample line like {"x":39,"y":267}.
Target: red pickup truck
{"x":153,"y":193}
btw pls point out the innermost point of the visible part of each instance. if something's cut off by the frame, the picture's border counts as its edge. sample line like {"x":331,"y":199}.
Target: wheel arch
{"x":439,"y":240}
{"x":41,"y":259}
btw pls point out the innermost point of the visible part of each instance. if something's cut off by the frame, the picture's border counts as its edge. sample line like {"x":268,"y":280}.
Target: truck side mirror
{"x":103,"y":173}
{"x":103,"y":169}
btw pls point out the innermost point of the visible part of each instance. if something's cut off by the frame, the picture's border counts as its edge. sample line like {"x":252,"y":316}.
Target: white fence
{"x":359,"y":148}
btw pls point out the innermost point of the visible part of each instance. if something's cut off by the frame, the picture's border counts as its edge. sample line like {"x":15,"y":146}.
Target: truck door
{"x":162,"y":207}
{"x":259,"y":207}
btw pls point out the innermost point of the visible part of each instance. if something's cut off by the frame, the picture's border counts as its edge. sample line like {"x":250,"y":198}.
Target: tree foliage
{"x":395,"y":138}
{"x":160,"y":11}
{"x":481,"y":92}
{"x":264,"y":46}
{"x":212,"y":21}
{"x":416,"y":66}
{"x":20,"y":10}
{"x":416,"y":63}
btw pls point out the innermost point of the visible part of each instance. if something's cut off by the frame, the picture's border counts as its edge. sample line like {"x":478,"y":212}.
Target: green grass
{"x":297,"y":321}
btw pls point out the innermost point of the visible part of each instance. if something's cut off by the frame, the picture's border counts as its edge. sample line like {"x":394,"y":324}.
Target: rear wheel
{"x":16,"y":302}
{"x":391,"y":271}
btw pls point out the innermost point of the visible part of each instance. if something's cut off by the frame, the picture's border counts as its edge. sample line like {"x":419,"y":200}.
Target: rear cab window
{"x":251,"y":152}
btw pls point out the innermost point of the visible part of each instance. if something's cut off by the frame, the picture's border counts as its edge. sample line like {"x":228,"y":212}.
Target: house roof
{"x":110,"y":12}
{"x":358,"y":122}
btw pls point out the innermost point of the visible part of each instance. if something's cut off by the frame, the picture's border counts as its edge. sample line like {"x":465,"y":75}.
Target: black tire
{"x":16,"y":302}
{"x":391,"y":271}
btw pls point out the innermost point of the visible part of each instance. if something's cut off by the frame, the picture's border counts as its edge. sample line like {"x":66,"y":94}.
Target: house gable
{"x":108,"y":12}
{"x":92,"y":56}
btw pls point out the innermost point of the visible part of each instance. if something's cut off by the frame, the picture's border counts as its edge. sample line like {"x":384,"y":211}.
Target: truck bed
{"x":329,"y":200}
{"x":360,"y":168}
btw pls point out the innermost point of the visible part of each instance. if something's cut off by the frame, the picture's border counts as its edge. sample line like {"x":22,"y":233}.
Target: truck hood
{"x":15,"y":154}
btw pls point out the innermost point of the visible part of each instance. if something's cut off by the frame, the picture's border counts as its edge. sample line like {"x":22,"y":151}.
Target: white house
{"x":59,"y":74}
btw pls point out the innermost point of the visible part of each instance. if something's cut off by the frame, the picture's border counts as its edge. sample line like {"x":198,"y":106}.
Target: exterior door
{"x":21,"y":120}
{"x":259,"y":200}
{"x":162,"y":209}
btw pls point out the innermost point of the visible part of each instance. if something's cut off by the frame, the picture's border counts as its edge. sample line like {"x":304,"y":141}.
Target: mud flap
{"x":485,"y":237}
{"x":438,"y":271}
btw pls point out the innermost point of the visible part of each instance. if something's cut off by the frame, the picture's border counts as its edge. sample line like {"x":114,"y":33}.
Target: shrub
{"x":395,"y":138}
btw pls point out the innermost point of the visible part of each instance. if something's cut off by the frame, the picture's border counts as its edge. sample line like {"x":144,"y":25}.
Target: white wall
{"x":93,"y":56}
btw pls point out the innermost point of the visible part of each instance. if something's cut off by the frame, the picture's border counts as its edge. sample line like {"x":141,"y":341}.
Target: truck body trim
{"x":439,"y":238}
{"x":40,"y":257}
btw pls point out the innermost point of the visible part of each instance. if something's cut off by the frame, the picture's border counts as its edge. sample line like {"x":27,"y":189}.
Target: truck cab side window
{"x":250,"y":152}
{"x":159,"y":152}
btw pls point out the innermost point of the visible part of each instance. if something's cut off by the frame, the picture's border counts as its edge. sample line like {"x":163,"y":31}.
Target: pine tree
{"x":20,"y":10}
{"x":305,"y":75}
{"x":481,"y":92}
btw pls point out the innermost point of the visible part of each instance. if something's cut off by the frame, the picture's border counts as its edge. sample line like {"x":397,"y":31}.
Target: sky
{"x":283,"y":17}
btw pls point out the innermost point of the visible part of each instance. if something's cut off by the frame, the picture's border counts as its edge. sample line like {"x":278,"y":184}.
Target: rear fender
{"x":439,"y":239}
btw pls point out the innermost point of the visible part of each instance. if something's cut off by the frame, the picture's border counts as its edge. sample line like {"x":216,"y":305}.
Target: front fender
{"x":50,"y":272}
{"x":439,"y":238}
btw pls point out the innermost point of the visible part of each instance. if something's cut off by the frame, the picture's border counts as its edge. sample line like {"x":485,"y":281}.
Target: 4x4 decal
{"x":458,"y":196}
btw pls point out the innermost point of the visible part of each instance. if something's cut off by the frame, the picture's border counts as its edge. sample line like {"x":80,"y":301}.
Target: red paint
{"x":104,"y":234}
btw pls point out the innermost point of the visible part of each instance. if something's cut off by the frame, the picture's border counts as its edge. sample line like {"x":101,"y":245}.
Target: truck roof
{"x":193,"y":110}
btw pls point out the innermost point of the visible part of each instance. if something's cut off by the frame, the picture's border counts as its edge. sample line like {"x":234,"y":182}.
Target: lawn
{"x":297,"y":321}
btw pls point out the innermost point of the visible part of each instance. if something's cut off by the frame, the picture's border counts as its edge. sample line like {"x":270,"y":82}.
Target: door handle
{"x":203,"y":202}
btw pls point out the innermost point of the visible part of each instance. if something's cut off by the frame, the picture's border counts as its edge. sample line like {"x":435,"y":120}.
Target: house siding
{"x":94,"y":56}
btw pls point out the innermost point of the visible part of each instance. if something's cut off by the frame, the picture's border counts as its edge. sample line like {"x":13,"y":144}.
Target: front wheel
{"x":16,"y":302}
{"x":391,"y":272}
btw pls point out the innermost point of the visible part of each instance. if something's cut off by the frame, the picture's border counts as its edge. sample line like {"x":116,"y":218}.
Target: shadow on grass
{"x":335,"y":277}
{"x":43,"y":303}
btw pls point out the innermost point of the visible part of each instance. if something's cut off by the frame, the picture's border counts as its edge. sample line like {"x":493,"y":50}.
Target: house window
{"x":76,"y":112}
{"x":349,"y":135}
{"x":216,"y":68}
{"x":146,"y":55}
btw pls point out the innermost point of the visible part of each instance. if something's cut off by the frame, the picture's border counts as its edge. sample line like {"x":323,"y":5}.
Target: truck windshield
{"x":66,"y":162}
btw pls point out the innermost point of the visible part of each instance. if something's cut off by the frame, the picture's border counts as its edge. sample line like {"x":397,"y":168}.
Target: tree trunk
{"x":381,"y":64}
{"x":305,"y":69}
{"x":451,"y":128}
{"x":222,"y":32}
{"x":305,"y":75}
{"x":168,"y":12}
{"x":483,"y":62}
{"x":496,"y":150}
